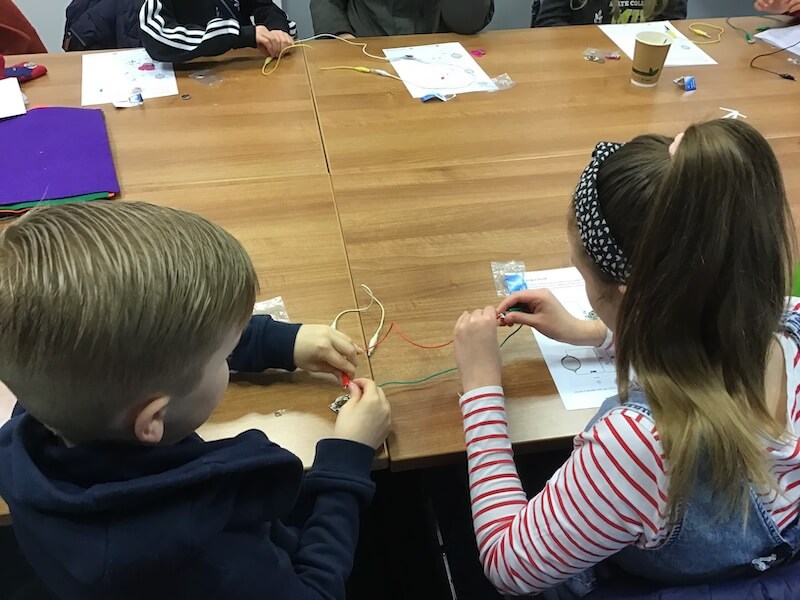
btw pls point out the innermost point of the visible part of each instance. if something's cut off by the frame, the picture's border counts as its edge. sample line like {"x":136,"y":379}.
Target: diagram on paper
{"x":111,"y":77}
{"x":588,"y":361}
{"x":584,"y":376}
{"x":439,"y":69}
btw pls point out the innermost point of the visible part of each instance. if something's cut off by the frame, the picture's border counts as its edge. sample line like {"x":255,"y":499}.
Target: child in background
{"x":685,"y":246}
{"x":584,"y":12}
{"x":120,"y":323}
{"x":180,"y":30}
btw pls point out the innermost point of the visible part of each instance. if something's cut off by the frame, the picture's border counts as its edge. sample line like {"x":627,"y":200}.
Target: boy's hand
{"x":322,"y":349}
{"x":271,"y":42}
{"x":477,"y":350}
{"x":546,"y":314}
{"x":367,"y":416}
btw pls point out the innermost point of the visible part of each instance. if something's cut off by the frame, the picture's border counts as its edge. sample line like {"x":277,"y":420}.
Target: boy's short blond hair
{"x":105,"y":305}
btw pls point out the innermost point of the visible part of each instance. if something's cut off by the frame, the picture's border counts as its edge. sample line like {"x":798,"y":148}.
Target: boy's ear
{"x":149,"y":423}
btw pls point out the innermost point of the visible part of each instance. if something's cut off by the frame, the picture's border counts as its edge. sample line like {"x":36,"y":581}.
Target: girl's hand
{"x":546,"y":314}
{"x":777,"y":6}
{"x":477,"y":350}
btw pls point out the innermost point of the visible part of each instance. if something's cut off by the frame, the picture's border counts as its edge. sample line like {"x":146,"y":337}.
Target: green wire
{"x":446,"y":371}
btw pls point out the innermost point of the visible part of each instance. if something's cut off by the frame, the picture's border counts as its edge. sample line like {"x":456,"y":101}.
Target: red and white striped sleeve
{"x":611,"y":493}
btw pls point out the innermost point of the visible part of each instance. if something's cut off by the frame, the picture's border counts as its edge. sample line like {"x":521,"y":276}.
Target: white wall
{"x":47,"y":16}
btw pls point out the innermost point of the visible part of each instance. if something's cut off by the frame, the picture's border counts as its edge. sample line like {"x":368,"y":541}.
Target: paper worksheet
{"x":584,"y":376}
{"x":682,"y":53}
{"x":783,"y":37}
{"x":12,"y":102}
{"x":111,"y":76}
{"x":439,"y":69}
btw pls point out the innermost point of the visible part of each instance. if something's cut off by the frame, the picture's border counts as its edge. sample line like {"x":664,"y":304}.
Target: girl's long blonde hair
{"x":710,"y":239}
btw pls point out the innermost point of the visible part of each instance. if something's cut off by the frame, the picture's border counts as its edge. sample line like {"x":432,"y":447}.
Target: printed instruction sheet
{"x":584,"y":376}
{"x":112,"y":76}
{"x":682,"y":53}
{"x":439,"y":69}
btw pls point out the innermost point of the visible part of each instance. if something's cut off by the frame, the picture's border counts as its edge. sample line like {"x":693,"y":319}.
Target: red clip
{"x":345,"y":380}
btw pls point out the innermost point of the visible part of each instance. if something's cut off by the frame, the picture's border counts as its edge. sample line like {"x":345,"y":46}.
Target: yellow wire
{"x":269,"y":59}
{"x":695,"y":29}
{"x":349,"y":68}
{"x":361,"y":45}
{"x":301,"y":44}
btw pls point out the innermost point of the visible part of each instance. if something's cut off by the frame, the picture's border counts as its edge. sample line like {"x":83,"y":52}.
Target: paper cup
{"x":649,"y":57}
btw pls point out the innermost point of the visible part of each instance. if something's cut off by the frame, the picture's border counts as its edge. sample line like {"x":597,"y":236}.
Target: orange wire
{"x":423,"y":346}
{"x":395,"y":327}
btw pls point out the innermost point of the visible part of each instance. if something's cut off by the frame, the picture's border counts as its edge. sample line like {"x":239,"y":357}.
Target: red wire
{"x":395,"y":327}
{"x":423,"y":346}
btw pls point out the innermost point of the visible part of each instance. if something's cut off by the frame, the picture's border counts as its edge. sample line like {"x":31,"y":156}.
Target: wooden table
{"x":560,"y":105}
{"x":423,"y":240}
{"x":248,"y":126}
{"x":425,"y":196}
{"x":290,"y":229}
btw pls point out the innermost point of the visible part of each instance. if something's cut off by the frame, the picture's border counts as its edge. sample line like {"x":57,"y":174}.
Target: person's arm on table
{"x":270,"y":344}
{"x":610,"y":493}
{"x":168,"y":40}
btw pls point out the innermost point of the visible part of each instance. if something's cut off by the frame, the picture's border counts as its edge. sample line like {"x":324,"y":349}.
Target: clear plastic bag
{"x":509,"y":277}
{"x":503,"y":82}
{"x":206,"y":77}
{"x":273,"y":307}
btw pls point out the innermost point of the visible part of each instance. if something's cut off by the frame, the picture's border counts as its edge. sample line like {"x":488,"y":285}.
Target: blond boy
{"x":119,"y":323}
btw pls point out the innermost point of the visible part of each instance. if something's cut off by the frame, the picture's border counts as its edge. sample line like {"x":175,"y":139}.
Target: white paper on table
{"x":584,"y":376}
{"x":783,"y":37}
{"x":112,"y":76}
{"x":682,"y":53}
{"x":12,"y":102}
{"x":439,"y":69}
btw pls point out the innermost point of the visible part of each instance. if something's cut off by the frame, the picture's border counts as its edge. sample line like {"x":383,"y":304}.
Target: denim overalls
{"x":705,"y":544}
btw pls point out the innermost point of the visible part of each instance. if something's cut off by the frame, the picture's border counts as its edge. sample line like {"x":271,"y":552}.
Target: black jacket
{"x":232,"y":518}
{"x":173,"y":30}
{"x":180,"y":30}
{"x":560,"y":12}
{"x":102,"y":24}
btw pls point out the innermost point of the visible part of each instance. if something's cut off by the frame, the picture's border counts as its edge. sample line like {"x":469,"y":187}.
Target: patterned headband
{"x":595,"y":233}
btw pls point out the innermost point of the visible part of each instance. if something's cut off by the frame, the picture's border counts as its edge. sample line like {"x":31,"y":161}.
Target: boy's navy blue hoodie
{"x":234,"y":518}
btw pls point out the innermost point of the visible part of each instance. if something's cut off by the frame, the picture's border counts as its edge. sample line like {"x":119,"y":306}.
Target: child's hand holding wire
{"x":271,"y":42}
{"x":322,"y":349}
{"x":477,"y":350}
{"x":543,"y":311}
{"x":367,"y":416}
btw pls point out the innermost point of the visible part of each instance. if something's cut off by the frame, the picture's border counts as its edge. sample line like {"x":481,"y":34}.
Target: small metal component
{"x":337,"y":404}
{"x":279,"y":413}
{"x":186,"y":97}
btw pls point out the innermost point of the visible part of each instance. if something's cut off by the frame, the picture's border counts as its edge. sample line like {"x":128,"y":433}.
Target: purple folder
{"x":55,"y":153}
